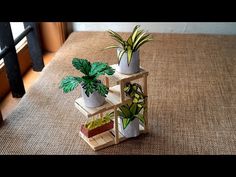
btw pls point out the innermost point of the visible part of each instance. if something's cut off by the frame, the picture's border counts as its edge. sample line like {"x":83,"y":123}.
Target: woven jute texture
{"x":191,"y":89}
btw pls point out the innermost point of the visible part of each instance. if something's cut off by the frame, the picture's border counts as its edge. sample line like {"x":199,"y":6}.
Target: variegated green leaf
{"x":125,"y":122}
{"x":116,"y":36}
{"x":133,"y":109}
{"x":135,"y":100}
{"x":137,"y":40}
{"x":130,"y":41}
{"x":120,"y":54}
{"x":140,"y":117}
{"x":125,"y":110}
{"x":112,"y":46}
{"x":142,"y":42}
{"x":129,"y":54}
{"x":135,"y":32}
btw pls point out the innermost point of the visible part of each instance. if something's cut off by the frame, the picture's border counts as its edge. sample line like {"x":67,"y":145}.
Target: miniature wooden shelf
{"x":113,"y":101}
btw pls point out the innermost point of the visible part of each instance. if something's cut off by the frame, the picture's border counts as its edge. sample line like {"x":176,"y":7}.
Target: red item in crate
{"x":98,"y":130}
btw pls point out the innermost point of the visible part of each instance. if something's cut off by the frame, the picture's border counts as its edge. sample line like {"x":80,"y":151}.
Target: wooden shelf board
{"x":112,"y":99}
{"x":99,"y":141}
{"x":104,"y":139}
{"x":120,"y":76}
{"x":79,"y":104}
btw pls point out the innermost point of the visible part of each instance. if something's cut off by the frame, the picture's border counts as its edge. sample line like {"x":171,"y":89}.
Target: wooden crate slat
{"x":107,"y":137}
{"x":97,"y":142}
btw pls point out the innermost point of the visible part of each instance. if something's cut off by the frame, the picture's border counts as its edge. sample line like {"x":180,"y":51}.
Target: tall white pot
{"x":94,"y":99}
{"x":134,"y":65}
{"x":132,"y":130}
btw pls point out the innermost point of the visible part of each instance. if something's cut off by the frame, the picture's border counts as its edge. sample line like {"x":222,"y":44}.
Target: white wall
{"x":161,"y":27}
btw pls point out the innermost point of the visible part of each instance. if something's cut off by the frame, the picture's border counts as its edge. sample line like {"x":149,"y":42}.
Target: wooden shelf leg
{"x":116,"y":126}
{"x":145,"y":111}
{"x":107,"y":82}
{"x":1,"y":119}
{"x":122,"y":91}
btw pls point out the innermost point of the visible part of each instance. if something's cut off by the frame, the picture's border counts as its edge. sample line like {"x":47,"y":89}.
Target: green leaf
{"x":102,"y":89}
{"x":136,"y":95}
{"x":116,"y":36}
{"x":133,"y":109}
{"x":137,"y":40}
{"x":82,"y":64}
{"x":109,"y":70}
{"x":129,"y":53}
{"x":135,"y":100}
{"x":112,"y":46}
{"x":69,"y":83}
{"x":125,"y":110}
{"x":126,"y":89}
{"x":125,"y":122}
{"x":97,"y":67}
{"x":120,"y":54}
{"x":130,"y":41}
{"x":140,"y":117}
{"x":89,"y":86}
{"x":139,"y":105}
{"x":135,"y":32}
{"x":142,"y":42}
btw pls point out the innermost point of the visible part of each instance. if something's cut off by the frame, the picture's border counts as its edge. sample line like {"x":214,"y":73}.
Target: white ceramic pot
{"x":132,"y":130}
{"x":134,"y":65}
{"x":94,"y":99}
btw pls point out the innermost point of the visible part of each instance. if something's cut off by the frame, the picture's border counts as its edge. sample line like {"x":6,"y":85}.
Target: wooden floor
{"x":9,"y":103}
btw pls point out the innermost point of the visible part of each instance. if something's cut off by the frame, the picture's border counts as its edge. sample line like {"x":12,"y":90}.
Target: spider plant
{"x":89,"y":81}
{"x":133,"y":43}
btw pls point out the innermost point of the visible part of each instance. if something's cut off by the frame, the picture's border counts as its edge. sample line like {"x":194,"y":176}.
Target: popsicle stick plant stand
{"x":116,"y":97}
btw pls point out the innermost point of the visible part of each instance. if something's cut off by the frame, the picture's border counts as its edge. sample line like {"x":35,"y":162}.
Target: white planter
{"x":132,"y":130}
{"x":94,"y":99}
{"x":134,"y":65}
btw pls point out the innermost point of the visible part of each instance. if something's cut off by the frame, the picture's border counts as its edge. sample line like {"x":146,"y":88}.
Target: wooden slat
{"x":107,"y":81}
{"x":1,"y":119}
{"x":122,"y":95}
{"x":113,"y":96}
{"x":120,"y":76}
{"x":107,"y":137}
{"x":116,"y":126}
{"x":145,"y":112}
{"x":91,"y":111}
{"x":93,"y":142}
{"x":98,"y":142}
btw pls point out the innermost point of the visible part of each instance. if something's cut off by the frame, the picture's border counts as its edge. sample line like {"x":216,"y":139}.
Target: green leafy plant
{"x":129,"y":112}
{"x":99,"y":122}
{"x":132,"y":44}
{"x":89,"y":81}
{"x":135,"y":92}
